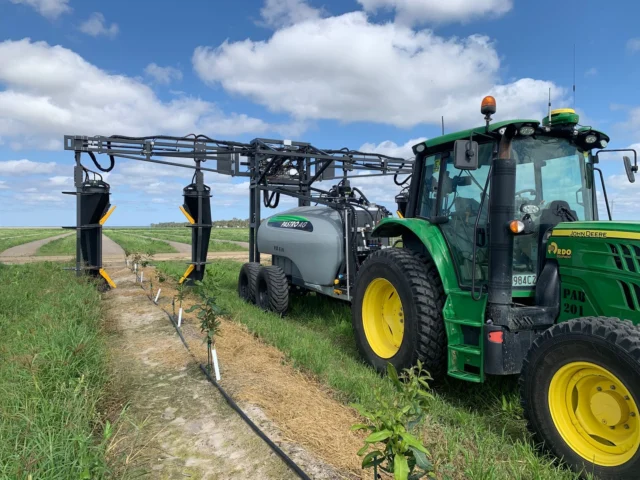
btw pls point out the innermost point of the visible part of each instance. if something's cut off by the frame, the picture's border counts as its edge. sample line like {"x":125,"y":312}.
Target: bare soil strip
{"x":28,"y":249}
{"x":188,"y":430}
{"x":267,"y":386}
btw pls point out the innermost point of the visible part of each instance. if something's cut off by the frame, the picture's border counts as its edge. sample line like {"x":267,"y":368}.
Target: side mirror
{"x":629,"y":169}
{"x":465,"y":155}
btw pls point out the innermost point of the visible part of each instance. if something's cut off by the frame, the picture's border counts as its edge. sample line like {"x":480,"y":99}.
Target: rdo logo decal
{"x":557,"y":251}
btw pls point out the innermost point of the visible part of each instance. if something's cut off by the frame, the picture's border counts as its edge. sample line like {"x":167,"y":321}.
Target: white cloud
{"x":50,"y":9}
{"x":3,"y":185}
{"x":633,"y":45}
{"x":39,"y":198}
{"x":49,"y":91}
{"x":348,"y":69}
{"x":280,"y":13}
{"x":592,"y":72}
{"x":60,"y":181}
{"x":25,"y":167}
{"x":412,"y":12}
{"x":392,"y":149}
{"x":163,"y":75}
{"x":95,"y":26}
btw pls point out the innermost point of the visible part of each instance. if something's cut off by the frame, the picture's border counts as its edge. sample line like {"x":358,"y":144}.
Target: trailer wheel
{"x":397,"y":311}
{"x":272,"y":290}
{"x":247,"y":281}
{"x":580,"y":392}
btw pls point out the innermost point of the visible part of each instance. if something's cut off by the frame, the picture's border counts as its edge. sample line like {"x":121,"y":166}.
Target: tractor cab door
{"x":452,"y":197}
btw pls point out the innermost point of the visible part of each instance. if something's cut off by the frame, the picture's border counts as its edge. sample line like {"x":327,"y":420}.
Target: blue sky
{"x":374,"y":74}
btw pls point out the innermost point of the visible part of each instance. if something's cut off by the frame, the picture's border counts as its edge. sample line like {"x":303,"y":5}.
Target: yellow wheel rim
{"x":383,"y":318}
{"x":594,"y":413}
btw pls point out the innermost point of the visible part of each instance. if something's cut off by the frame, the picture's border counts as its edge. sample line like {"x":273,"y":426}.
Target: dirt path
{"x":29,"y":249}
{"x":188,"y":431}
{"x":111,"y":248}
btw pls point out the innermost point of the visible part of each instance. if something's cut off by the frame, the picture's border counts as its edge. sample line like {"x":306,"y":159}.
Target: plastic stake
{"x":157,"y":295}
{"x":216,"y":368}
{"x":180,"y":316}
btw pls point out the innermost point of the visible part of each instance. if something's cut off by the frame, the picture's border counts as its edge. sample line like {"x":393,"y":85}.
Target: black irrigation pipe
{"x":290,"y":463}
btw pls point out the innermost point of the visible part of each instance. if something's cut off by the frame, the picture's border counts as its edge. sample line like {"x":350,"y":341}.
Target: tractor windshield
{"x":552,"y":186}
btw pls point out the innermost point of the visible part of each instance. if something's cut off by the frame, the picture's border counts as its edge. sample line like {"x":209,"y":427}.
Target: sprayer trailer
{"x":497,"y":263}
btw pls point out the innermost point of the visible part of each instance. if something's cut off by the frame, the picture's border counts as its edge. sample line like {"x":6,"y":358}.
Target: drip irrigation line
{"x":287,"y":460}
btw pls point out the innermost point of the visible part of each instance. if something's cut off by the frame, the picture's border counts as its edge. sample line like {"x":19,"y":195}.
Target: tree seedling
{"x":208,"y":313}
{"x":391,"y":423}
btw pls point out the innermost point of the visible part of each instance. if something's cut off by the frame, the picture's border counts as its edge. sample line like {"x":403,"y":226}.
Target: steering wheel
{"x":528,"y":190}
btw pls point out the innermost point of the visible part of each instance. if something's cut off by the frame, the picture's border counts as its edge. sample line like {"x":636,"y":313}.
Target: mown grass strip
{"x":52,"y":373}
{"x":136,"y":244}
{"x":184,"y":236}
{"x":473,"y":431}
{"x":12,"y":238}
{"x":59,"y":247}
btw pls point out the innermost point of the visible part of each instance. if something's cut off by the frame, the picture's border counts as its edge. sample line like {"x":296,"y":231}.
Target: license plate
{"x":524,"y":280}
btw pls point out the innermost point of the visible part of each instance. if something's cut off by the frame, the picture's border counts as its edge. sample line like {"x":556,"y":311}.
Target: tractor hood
{"x":598,"y":229}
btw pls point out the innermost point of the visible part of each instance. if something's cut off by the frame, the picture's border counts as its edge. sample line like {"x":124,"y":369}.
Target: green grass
{"x":473,"y":431}
{"x":13,"y":237}
{"x":59,"y":247}
{"x":183,"y":235}
{"x":136,"y":244}
{"x":52,"y":373}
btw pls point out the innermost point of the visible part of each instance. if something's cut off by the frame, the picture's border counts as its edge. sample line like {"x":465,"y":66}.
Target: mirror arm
{"x":604,"y":191}
{"x":635,"y":156}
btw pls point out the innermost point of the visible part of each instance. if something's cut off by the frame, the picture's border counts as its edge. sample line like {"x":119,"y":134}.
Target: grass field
{"x":11,"y":237}
{"x":59,"y":246}
{"x":472,"y":432}
{"x":183,"y":235}
{"x":52,"y":369}
{"x":233,"y":234}
{"x":137,"y":244}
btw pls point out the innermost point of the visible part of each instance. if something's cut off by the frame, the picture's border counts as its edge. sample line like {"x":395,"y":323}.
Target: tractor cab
{"x":554,"y":183}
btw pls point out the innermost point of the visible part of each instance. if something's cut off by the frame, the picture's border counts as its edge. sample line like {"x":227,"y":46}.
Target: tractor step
{"x":466,"y":376}
{"x":468,"y":349}
{"x":460,"y":321}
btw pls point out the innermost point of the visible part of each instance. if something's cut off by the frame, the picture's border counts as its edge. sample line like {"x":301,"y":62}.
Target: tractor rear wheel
{"x":580,"y":394}
{"x":397,"y":312}
{"x":272,"y":290}
{"x":247,"y":281}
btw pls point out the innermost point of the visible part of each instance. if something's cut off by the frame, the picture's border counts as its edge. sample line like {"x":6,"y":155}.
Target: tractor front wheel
{"x":580,"y":394}
{"x":397,"y":312}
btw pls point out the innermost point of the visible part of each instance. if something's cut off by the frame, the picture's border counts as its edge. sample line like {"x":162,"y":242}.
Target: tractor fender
{"x":422,"y":237}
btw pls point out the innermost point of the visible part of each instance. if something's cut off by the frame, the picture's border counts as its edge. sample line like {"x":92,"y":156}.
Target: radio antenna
{"x":549,"y":116}
{"x":443,"y":125}
{"x":574,"y":75}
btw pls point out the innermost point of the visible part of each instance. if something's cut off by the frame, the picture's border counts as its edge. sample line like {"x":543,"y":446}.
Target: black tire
{"x":247,"y":281}
{"x":419,"y":287}
{"x":272,"y":290}
{"x":609,"y":343}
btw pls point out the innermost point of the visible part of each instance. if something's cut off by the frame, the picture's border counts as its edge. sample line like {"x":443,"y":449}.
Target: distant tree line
{"x":233,"y":223}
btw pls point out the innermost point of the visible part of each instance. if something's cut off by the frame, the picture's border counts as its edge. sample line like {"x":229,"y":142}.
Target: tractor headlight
{"x":591,"y":139}
{"x":603,"y":143}
{"x":527,"y":130}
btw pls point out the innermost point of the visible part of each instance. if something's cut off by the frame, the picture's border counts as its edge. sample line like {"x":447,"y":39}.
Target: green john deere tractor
{"x":506,"y":268}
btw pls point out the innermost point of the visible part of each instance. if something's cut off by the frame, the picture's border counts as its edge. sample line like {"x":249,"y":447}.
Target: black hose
{"x":112,"y":161}
{"x":269,"y":202}
{"x":290,"y":463}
